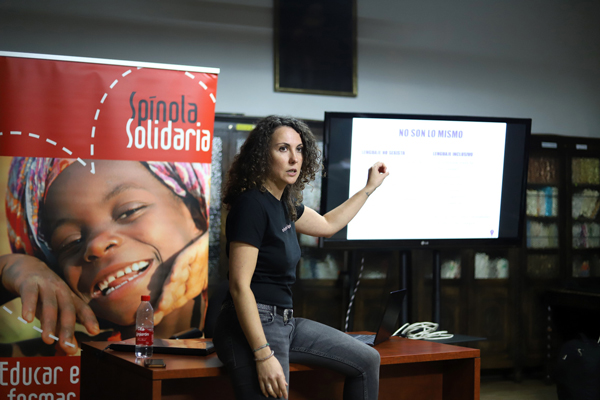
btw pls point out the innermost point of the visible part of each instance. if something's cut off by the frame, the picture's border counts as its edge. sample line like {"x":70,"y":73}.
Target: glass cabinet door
{"x":584,"y":205}
{"x":543,"y":208}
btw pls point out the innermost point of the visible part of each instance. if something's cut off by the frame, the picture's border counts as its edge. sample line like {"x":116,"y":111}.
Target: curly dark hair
{"x":251,"y":167}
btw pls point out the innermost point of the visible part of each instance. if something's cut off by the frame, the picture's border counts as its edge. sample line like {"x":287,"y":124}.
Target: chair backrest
{"x":214,"y":307}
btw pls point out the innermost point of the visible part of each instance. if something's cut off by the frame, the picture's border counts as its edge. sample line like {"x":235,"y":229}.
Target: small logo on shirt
{"x":285,"y":228}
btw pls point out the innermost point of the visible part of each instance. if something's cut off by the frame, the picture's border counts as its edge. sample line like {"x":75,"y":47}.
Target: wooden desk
{"x":410,"y":369}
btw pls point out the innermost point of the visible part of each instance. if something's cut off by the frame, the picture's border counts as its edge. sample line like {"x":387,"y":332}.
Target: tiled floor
{"x":528,"y":389}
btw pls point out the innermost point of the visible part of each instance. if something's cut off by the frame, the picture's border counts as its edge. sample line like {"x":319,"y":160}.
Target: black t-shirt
{"x":262,"y":221}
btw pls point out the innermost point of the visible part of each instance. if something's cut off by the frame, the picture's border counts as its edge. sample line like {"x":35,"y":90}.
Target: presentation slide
{"x":445,"y":178}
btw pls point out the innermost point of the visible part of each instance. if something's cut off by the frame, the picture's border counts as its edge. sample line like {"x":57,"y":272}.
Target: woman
{"x":256,"y":335}
{"x":89,"y":245}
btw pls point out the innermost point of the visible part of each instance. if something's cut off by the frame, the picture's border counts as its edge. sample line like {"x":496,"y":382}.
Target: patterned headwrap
{"x":30,"y":178}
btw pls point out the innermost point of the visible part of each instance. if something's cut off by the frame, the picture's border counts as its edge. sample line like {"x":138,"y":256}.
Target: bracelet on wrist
{"x":261,"y":347}
{"x":266,"y":358}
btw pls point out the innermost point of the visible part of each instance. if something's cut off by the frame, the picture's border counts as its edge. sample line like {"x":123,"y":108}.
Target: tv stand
{"x":436,"y":288}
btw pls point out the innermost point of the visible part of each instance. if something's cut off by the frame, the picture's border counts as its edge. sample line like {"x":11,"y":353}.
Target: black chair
{"x":212,"y":312}
{"x":214,"y":307}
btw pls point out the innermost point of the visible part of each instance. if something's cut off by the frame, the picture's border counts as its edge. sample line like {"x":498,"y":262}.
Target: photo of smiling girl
{"x":87,"y":246}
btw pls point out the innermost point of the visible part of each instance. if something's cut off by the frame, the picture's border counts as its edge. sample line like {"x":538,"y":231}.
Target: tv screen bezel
{"x":345,"y":244}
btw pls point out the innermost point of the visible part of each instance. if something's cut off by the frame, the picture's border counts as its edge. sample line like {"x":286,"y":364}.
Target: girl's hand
{"x":271,"y":378}
{"x":188,"y":278}
{"x":46,"y":296}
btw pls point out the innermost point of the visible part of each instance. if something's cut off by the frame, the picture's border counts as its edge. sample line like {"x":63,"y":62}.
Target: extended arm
{"x":313,"y":224}
{"x":242,"y":262}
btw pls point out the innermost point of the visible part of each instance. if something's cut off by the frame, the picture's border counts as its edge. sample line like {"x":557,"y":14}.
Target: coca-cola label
{"x":144,"y":336}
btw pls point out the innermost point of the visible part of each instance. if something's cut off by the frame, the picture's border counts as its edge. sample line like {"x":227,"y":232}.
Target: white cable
{"x":362,"y":266}
{"x":422,"y":330}
{"x":400,"y":329}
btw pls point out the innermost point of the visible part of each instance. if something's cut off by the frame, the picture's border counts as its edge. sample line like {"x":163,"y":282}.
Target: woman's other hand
{"x":271,"y":377}
{"x":46,"y":296}
{"x":188,"y":278}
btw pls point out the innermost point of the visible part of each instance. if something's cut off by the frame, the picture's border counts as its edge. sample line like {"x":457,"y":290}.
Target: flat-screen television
{"x":454,"y":180}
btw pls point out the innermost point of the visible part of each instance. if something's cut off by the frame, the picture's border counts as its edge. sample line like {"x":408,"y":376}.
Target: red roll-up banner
{"x":105,"y":179}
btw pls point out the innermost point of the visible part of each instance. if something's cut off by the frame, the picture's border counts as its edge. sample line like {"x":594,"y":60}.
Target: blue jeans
{"x":297,"y":340}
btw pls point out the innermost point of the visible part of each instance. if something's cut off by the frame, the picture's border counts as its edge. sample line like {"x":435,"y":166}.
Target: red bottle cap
{"x":145,"y":297}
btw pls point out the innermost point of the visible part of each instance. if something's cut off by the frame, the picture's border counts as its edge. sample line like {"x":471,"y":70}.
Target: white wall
{"x":537,"y":59}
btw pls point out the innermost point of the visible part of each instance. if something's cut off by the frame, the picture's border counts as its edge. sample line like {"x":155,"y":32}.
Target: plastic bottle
{"x":144,"y":329}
